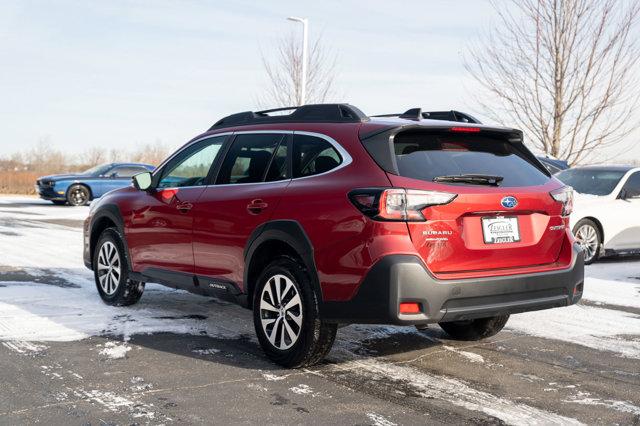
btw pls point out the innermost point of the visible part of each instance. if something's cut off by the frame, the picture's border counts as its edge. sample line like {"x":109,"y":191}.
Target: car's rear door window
{"x":249,"y":158}
{"x":429,"y":155}
{"x":313,"y":155}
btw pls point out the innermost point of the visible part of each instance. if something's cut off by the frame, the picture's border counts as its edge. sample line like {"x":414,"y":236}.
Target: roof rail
{"x":314,"y":113}
{"x":417,"y":114}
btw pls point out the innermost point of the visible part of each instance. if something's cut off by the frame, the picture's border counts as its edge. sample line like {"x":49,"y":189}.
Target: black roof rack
{"x":315,"y":113}
{"x":417,"y":115}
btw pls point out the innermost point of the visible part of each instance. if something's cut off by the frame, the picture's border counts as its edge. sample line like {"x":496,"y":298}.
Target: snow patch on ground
{"x":209,"y":351}
{"x":302,"y":389}
{"x":598,"y":328}
{"x":24,"y":347}
{"x":273,"y":377}
{"x":473,"y":357}
{"x":108,"y":400}
{"x":585,"y":398}
{"x":458,"y":393}
{"x":378,"y":420}
{"x":115,"y":350}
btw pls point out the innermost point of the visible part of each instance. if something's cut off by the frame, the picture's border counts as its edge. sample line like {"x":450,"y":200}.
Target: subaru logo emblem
{"x":509,"y":202}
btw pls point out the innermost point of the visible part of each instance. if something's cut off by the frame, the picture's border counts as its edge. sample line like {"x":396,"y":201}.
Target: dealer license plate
{"x":500,"y":229}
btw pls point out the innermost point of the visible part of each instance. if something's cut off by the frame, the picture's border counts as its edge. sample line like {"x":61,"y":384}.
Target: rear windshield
{"x":427,"y":156}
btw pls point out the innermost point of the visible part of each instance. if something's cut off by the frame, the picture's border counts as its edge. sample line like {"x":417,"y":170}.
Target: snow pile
{"x":114,"y":350}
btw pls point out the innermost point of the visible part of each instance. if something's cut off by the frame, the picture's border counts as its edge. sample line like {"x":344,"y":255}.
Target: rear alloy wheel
{"x":78,"y":195}
{"x":111,"y":271}
{"x":281,"y":312}
{"x":286,"y":316}
{"x":588,"y":236}
{"x":476,"y":329}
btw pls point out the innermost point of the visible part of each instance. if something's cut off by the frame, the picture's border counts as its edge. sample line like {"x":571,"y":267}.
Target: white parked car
{"x":606,"y":211}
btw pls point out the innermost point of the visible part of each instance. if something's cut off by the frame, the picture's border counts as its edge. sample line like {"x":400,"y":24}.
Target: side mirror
{"x":142,"y":181}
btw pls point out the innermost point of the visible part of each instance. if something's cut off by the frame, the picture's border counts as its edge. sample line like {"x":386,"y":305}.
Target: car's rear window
{"x":426,"y":156}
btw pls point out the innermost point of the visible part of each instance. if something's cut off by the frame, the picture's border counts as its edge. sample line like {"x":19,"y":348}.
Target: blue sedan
{"x":80,"y":188}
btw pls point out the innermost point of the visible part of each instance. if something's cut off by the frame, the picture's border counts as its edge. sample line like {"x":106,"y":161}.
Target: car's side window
{"x":632,"y":187}
{"x":313,"y":155}
{"x":192,"y":166}
{"x":249,"y":157}
{"x":127,"y":171}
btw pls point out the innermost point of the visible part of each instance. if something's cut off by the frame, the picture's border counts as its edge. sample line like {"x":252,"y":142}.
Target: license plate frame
{"x":500,"y":229}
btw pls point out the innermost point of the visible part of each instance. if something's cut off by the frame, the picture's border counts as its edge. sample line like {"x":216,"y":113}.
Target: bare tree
{"x":93,"y":156}
{"x":44,"y":157}
{"x":150,"y":153}
{"x":284,"y":71}
{"x":564,"y":70}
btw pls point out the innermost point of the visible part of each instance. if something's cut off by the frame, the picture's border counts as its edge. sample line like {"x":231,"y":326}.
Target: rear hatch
{"x":502,"y":216}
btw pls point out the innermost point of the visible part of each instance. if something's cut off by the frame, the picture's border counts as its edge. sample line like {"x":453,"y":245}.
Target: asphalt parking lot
{"x":177,"y":358}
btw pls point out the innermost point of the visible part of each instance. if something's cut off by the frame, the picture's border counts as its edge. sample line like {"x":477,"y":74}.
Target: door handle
{"x":184,"y":207}
{"x":256,"y":206}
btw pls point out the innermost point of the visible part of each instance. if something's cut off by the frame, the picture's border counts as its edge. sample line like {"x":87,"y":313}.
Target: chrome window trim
{"x":346,"y":158}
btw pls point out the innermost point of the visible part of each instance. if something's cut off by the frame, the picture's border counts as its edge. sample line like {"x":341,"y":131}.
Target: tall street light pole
{"x":305,"y":56}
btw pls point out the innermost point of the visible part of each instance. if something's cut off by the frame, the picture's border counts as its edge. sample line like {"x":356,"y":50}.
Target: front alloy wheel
{"x":281,"y":312}
{"x":78,"y":195}
{"x":588,"y":236}
{"x":109,"y":269}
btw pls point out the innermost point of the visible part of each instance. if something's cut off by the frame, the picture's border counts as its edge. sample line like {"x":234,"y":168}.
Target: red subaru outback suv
{"x":325,"y":216}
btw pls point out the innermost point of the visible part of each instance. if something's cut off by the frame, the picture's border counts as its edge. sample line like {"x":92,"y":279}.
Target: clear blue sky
{"x":121,"y":73}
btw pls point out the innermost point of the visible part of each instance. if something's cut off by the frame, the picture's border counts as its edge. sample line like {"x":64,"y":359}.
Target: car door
{"x":627,"y":215}
{"x":161,"y":232}
{"x":249,"y":184}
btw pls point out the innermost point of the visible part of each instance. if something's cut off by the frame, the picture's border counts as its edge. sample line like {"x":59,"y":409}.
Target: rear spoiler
{"x":379,"y":143}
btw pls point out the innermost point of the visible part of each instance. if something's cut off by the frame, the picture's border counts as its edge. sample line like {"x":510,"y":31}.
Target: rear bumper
{"x":403,"y":278}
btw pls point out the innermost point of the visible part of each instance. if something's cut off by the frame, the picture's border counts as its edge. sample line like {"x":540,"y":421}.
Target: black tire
{"x":59,"y":202}
{"x":118,"y":289}
{"x":476,"y":329}
{"x":588,"y":235}
{"x":315,"y":337}
{"x":78,"y":195}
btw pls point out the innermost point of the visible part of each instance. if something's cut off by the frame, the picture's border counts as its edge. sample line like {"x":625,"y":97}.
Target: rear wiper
{"x":473,"y":179}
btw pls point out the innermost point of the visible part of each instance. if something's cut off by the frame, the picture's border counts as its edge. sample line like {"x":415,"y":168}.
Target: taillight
{"x":397,"y":204}
{"x":564,"y":196}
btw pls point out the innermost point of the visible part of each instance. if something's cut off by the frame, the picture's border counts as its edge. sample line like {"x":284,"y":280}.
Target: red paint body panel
{"x":211,"y":238}
{"x":223,"y":224}
{"x":158,"y":234}
{"x":463,"y":251}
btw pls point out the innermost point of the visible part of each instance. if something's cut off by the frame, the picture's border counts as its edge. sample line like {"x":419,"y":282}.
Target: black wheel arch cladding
{"x":110,"y":213}
{"x":289,"y":232}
